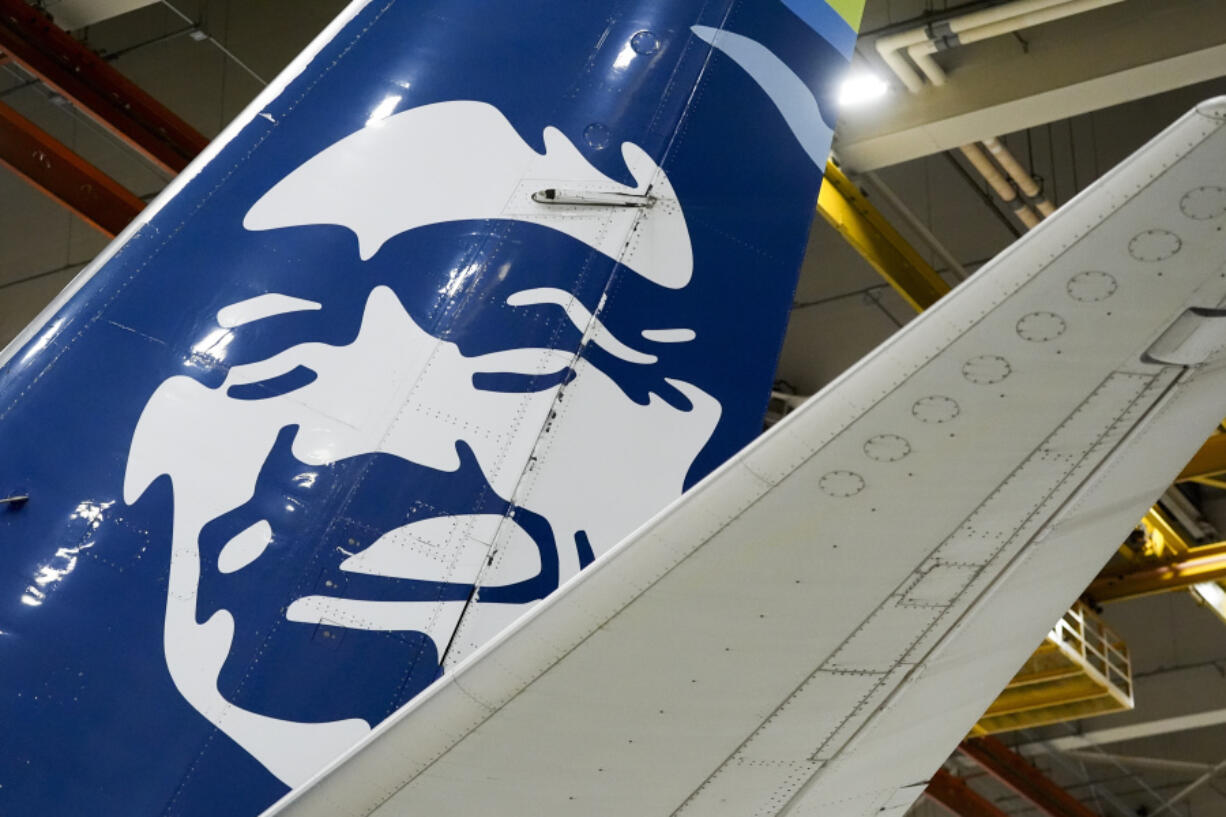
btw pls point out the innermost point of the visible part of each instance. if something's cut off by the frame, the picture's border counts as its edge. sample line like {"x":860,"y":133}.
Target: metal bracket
{"x":943,"y":36}
{"x":589,"y":198}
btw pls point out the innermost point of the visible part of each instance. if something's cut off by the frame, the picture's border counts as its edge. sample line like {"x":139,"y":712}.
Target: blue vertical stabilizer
{"x":467,"y":295}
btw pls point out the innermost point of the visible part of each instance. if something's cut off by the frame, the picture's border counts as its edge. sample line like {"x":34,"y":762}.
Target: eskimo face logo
{"x":499,"y":505}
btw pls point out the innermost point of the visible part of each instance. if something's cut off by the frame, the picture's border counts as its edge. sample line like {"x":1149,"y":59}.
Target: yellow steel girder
{"x":843,"y":205}
{"x":1168,"y":561}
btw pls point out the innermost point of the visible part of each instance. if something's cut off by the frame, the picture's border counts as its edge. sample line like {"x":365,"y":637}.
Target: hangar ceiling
{"x":1072,"y":98}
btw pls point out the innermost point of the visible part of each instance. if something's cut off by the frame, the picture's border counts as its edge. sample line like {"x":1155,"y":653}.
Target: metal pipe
{"x":922,"y":57}
{"x":984,"y":196}
{"x":1029,"y":187}
{"x":76,"y":266}
{"x":1120,"y":808}
{"x":934,"y":243}
{"x":922,"y":43}
{"x":889,"y":46}
{"x":1191,"y":787}
{"x":1034,"y":17}
{"x":991,"y":175}
{"x":903,"y":71}
{"x":980,"y":161}
{"x":922,"y":53}
{"x":1094,"y":740}
{"x":215,"y":42}
{"x":1154,"y":763}
{"x":848,"y":210}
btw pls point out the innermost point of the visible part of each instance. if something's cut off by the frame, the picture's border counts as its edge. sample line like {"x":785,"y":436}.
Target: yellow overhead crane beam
{"x":1200,"y":566}
{"x":848,"y":210}
{"x":1165,"y":562}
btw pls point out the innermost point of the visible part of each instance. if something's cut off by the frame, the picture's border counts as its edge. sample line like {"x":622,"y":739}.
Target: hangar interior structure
{"x":962,"y":126}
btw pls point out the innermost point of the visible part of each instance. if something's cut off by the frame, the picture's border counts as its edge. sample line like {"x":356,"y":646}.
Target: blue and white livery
{"x":469,"y":294}
{"x":395,"y":463}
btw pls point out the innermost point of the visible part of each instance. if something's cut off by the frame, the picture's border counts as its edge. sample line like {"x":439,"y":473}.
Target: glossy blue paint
{"x":92,"y":721}
{"x":827,"y":22}
{"x":791,"y":95}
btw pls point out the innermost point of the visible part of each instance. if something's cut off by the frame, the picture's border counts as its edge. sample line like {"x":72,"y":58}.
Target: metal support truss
{"x":50,"y":166}
{"x":31,"y":40}
{"x":1013,"y":771}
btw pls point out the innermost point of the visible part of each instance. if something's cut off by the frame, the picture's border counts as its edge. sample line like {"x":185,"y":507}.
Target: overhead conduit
{"x":1040,"y":12}
{"x":996,"y":180}
{"x":1025,"y":182}
{"x":890,"y":46}
{"x":922,"y":43}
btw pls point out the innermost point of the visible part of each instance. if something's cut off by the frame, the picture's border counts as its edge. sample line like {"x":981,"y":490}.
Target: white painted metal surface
{"x":813,"y":628}
{"x":74,"y":14}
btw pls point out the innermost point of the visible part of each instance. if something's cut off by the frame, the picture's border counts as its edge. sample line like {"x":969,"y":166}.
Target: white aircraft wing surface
{"x":813,"y":628}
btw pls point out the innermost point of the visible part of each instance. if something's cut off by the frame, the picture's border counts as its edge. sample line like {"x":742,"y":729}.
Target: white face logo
{"x":399,"y":393}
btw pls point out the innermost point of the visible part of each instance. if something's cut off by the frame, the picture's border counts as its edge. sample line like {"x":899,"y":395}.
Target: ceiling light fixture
{"x":861,"y":89}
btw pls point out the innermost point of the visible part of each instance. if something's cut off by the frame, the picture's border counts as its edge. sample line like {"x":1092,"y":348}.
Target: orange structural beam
{"x":31,"y":40}
{"x":55,"y":170}
{"x":955,"y":796}
{"x":1012,"y":770}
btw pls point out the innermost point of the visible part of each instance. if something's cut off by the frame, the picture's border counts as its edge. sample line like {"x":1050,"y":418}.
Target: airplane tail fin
{"x":740,"y":166}
{"x":471,"y":291}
